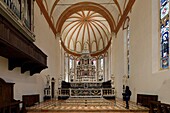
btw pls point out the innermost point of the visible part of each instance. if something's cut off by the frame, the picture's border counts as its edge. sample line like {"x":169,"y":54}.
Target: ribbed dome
{"x":86,"y":29}
{"x":85,"y":23}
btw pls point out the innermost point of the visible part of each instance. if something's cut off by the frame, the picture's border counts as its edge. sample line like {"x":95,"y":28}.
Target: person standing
{"x":127,"y":95}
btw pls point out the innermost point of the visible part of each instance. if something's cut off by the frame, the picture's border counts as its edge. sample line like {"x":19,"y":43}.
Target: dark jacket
{"x":127,"y":94}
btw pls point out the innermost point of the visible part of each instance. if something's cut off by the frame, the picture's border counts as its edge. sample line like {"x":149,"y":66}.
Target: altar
{"x":86,"y":78}
{"x":87,"y":89}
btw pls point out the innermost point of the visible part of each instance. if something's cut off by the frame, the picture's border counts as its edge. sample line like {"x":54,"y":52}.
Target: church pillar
{"x":60,"y":77}
{"x":107,"y":67}
{"x":61,"y":64}
{"x":97,"y":69}
{"x":110,"y":62}
{"x":111,"y":52}
{"x":104,"y":62}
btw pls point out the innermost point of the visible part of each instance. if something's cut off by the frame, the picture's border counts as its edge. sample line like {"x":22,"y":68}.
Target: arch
{"x":85,"y":6}
{"x":100,"y":43}
{"x":56,"y":2}
{"x":80,"y":7}
{"x":126,"y":23}
{"x":45,"y":4}
{"x":71,"y":42}
{"x":93,"y":45}
{"x":78,"y":46}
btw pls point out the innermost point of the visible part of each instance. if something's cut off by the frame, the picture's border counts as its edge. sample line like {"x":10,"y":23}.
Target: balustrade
{"x":89,"y":92}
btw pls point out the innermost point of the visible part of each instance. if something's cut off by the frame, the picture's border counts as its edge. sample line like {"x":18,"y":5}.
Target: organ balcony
{"x":16,"y":39}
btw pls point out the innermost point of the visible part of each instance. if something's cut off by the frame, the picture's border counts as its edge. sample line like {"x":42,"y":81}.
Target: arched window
{"x":101,"y":62}
{"x":102,"y":65}
{"x":164,"y":34}
{"x":71,"y":62}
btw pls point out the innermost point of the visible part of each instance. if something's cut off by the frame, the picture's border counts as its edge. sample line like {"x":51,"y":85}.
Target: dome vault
{"x":81,"y":23}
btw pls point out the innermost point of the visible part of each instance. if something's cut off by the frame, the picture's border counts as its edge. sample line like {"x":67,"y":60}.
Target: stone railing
{"x":90,"y":92}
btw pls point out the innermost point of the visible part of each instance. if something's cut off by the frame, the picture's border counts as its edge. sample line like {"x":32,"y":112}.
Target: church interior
{"x":79,"y":56}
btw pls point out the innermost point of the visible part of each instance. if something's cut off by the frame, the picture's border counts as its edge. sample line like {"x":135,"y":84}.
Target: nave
{"x":86,"y":105}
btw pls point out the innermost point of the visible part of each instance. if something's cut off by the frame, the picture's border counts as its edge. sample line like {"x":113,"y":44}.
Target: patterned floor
{"x":86,"y":105}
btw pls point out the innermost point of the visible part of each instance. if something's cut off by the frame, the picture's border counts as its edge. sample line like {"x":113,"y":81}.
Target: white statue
{"x":48,"y":81}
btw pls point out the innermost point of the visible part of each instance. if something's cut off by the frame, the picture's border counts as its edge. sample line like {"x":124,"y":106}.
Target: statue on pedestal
{"x":47,"y":90}
{"x":48,"y":81}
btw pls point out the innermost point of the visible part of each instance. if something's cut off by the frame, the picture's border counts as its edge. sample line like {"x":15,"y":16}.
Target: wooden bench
{"x":7,"y":102}
{"x":30,"y":100}
{"x":158,"y":107}
{"x":165,"y":108}
{"x":144,"y":99}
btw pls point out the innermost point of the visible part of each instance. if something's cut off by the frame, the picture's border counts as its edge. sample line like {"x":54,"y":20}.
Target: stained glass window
{"x":128,"y":48}
{"x":126,"y":27}
{"x":164,"y":28}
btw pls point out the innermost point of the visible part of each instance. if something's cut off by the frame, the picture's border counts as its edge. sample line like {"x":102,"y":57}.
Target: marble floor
{"x":89,"y":112}
{"x":86,"y":105}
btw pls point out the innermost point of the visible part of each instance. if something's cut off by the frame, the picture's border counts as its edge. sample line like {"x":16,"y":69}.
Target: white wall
{"x":118,"y":62}
{"x":48,"y":43}
{"x":24,"y":83}
{"x":146,"y":78}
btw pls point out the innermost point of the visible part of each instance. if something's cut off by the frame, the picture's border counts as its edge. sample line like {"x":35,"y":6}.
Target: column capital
{"x":58,"y":35}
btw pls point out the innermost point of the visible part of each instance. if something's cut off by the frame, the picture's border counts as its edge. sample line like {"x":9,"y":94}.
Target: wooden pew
{"x":7,"y":102}
{"x":158,"y":107}
{"x":165,"y":108}
{"x":31,"y":100}
{"x":144,"y":99}
{"x":155,"y":107}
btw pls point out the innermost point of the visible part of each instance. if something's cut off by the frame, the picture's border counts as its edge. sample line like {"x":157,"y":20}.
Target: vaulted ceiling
{"x":84,"y":24}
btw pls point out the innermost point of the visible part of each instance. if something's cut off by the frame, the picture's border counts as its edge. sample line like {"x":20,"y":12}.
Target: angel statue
{"x":48,"y":81}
